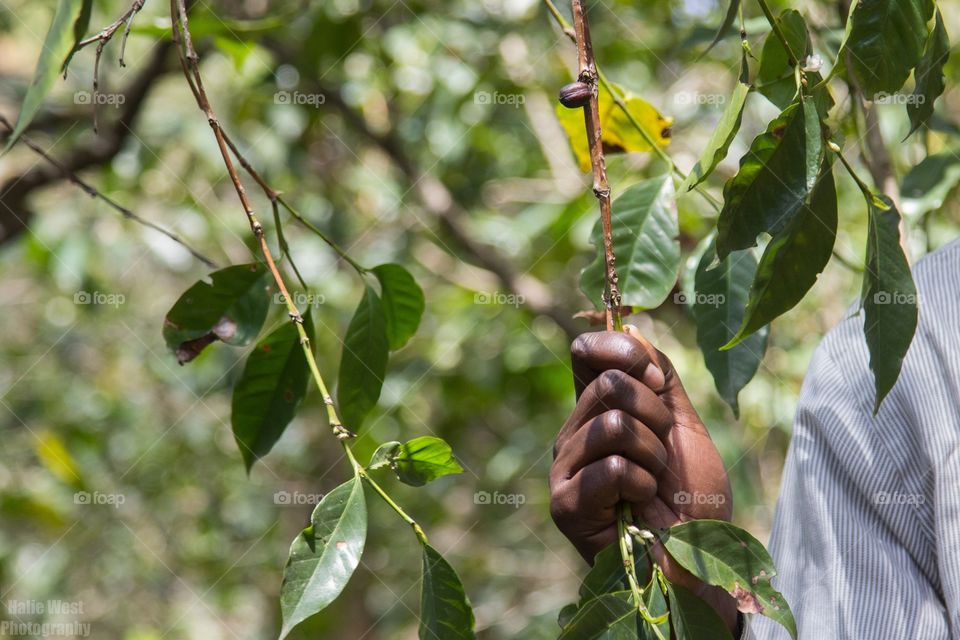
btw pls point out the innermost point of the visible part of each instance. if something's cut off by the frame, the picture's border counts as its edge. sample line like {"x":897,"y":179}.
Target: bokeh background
{"x":183,"y":544}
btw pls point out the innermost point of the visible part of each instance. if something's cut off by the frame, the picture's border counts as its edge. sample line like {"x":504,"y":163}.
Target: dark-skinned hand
{"x":634,"y":436}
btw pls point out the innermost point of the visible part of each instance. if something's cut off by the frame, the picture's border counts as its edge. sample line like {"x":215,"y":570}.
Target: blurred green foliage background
{"x":90,"y":401}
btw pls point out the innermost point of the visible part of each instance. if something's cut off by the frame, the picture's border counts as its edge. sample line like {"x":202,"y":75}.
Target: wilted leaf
{"x":363,"y":363}
{"x":645,"y":243}
{"x":267,"y":396}
{"x":445,"y":611}
{"x":726,"y":556}
{"x":403,"y":303}
{"x":231,"y":308}
{"x":618,"y":133}
{"x":324,"y":555}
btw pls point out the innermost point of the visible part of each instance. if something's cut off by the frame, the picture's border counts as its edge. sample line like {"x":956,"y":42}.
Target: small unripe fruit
{"x":575,"y":95}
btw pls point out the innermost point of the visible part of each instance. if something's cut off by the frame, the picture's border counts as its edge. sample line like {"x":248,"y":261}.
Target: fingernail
{"x":653,"y":377}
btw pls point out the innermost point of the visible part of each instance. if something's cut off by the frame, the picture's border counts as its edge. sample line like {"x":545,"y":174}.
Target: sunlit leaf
{"x":929,"y":76}
{"x":726,"y":556}
{"x":445,"y":611}
{"x":776,"y":78}
{"x":231,"y":307}
{"x":363,"y":363}
{"x":889,"y":296}
{"x":57,"y":45}
{"x":56,"y":458}
{"x":324,"y":555}
{"x":269,"y":391}
{"x":723,"y":134}
{"x":885,"y":41}
{"x":618,"y":132}
{"x":403,"y":303}
{"x":645,"y":243}
{"x":418,"y":461}
{"x":79,"y":29}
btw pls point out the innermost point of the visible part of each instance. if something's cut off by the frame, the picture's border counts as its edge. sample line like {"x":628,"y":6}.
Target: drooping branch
{"x":15,"y":215}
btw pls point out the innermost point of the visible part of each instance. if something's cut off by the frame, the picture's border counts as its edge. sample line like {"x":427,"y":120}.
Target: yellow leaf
{"x":619,"y":134}
{"x":57,"y":460}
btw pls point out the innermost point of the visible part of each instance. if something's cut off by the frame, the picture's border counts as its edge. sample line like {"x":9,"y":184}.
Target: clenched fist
{"x":635,"y":437}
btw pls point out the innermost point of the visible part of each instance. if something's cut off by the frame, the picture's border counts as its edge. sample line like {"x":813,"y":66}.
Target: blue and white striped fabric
{"x":866,"y":536}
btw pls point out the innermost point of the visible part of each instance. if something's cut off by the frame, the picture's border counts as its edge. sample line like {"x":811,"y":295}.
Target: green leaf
{"x":231,"y":308}
{"x":929,"y":76}
{"x":384,"y":455}
{"x":927,"y":185}
{"x":424,"y":459}
{"x":267,"y":396}
{"x":694,"y":619}
{"x":79,"y":30}
{"x":889,"y":296}
{"x":57,"y":45}
{"x":403,"y":303}
{"x":724,"y":555}
{"x":611,"y":616}
{"x":445,"y":612}
{"x":885,"y":41}
{"x":363,"y":364}
{"x":718,"y":310}
{"x":324,"y":555}
{"x":724,"y":133}
{"x":655,"y":601}
{"x":607,"y":574}
{"x":728,"y":19}
{"x":776,"y":77}
{"x":793,"y":259}
{"x":773,"y":182}
{"x":645,"y":243}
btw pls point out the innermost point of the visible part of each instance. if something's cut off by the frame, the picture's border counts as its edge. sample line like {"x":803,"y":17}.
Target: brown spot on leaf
{"x":779,"y":131}
{"x":747,"y":601}
{"x":190,"y":349}
{"x":288,"y":396}
{"x":666,"y":133}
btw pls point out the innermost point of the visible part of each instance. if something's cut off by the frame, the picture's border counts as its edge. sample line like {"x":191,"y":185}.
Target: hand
{"x":634,"y":436}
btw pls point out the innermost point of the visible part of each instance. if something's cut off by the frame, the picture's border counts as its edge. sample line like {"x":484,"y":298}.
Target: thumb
{"x":671,"y":391}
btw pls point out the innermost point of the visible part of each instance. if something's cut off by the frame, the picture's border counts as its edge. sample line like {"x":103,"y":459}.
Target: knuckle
{"x":616,"y":424}
{"x":580,"y":347}
{"x":615,"y":467}
{"x":610,"y":382}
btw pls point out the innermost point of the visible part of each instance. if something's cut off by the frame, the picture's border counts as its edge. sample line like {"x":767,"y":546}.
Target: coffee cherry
{"x":575,"y":95}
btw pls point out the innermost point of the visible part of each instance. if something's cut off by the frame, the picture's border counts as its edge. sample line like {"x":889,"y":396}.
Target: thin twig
{"x":92,"y":191}
{"x":601,"y":189}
